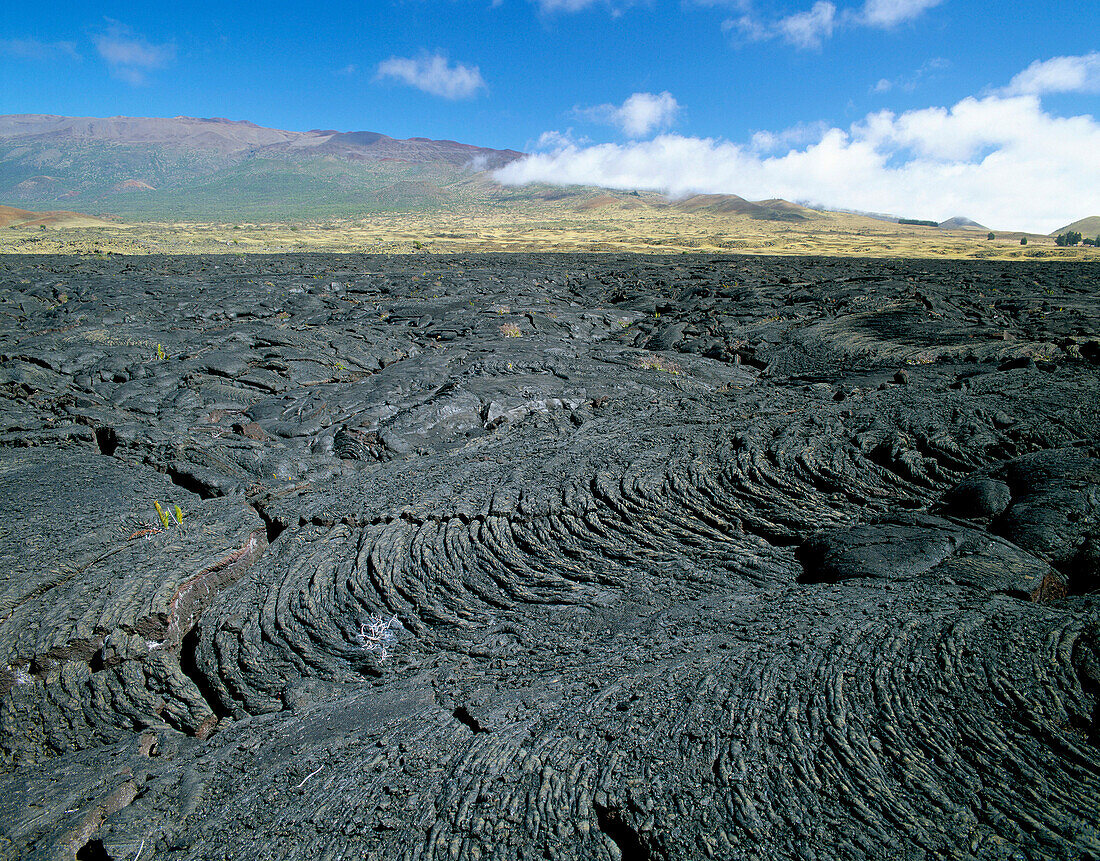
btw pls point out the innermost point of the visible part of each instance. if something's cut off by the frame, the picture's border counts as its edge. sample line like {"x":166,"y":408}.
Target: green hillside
{"x":1086,"y":227}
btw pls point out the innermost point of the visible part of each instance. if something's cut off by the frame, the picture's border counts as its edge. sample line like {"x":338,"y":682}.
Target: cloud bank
{"x":639,"y":116}
{"x":131,"y":57}
{"x":1001,"y":160}
{"x":434,"y":75}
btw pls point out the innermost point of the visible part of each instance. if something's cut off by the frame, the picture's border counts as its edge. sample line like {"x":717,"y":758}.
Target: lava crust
{"x":572,"y":557}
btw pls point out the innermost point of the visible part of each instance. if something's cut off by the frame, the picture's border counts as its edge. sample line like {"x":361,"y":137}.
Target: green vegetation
{"x":920,"y":222}
{"x":1066,"y":240}
{"x":166,"y":519}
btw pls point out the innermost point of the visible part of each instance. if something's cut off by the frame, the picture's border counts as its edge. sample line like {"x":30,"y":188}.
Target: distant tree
{"x":1065,"y":239}
{"x":991,"y":235}
{"x":1088,"y":242}
{"x":1023,"y":240}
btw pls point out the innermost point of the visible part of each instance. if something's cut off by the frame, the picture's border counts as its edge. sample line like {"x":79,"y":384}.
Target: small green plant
{"x":169,"y":519}
{"x":417,"y":244}
{"x":161,"y":355}
{"x":510,"y":330}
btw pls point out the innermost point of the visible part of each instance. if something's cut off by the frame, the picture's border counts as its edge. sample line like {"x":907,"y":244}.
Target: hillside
{"x":12,"y":217}
{"x":187,"y":168}
{"x":1086,"y":227}
{"x":190,"y":169}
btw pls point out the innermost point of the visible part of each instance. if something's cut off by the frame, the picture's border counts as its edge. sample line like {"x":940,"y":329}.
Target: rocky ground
{"x":487,"y":557}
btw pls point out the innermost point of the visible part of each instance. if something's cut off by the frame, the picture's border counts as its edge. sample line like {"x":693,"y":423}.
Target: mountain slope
{"x":961,"y":222}
{"x":200,"y":168}
{"x":191,"y":169}
{"x":12,"y":217}
{"x":1086,"y":227}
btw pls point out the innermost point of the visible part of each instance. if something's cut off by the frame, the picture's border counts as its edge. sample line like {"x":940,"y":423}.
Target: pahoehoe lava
{"x":574,"y":557}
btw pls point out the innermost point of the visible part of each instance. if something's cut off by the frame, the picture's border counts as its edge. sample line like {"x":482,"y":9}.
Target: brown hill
{"x":730,"y":204}
{"x":133,"y":185}
{"x":12,"y":217}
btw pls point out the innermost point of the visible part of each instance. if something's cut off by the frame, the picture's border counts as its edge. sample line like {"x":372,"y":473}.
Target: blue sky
{"x":865,"y":104}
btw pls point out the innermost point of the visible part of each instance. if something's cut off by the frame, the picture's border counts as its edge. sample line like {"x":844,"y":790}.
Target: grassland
{"x":554,"y":226}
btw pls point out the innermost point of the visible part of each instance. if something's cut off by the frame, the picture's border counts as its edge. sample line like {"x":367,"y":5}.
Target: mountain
{"x":190,"y":169}
{"x":1086,"y":227}
{"x":960,"y":222}
{"x":185,"y":167}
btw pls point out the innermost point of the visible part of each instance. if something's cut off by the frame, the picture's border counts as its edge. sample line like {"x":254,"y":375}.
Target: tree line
{"x":1072,"y":237}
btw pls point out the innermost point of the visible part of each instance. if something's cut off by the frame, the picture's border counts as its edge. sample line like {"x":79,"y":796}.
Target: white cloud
{"x":908,"y":83}
{"x":566,"y":6}
{"x":809,"y":29}
{"x":32,"y":49}
{"x":1059,"y":75}
{"x":434,"y":75}
{"x":555,"y":140}
{"x":349,"y":69}
{"x":130,"y":57}
{"x":797,"y":135}
{"x":1000,"y":160}
{"x":640,"y":115}
{"x":890,"y":13}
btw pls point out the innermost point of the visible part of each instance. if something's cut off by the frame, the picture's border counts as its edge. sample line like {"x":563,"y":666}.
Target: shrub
{"x":1023,"y":240}
{"x":991,"y":235}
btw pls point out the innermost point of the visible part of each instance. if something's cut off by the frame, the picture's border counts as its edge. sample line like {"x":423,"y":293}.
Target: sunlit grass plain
{"x":545,"y":226}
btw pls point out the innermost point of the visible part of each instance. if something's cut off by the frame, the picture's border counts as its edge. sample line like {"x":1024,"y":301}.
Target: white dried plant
{"x":378,"y":635}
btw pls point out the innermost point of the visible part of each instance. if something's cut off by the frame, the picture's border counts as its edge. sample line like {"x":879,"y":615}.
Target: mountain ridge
{"x":237,"y":136}
{"x":216,"y":168}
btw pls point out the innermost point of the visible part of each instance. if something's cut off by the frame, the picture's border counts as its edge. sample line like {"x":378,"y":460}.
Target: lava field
{"x":549,"y":556}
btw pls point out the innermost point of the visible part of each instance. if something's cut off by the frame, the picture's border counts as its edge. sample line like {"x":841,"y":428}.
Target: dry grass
{"x":545,"y":227}
{"x":659,"y":363}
